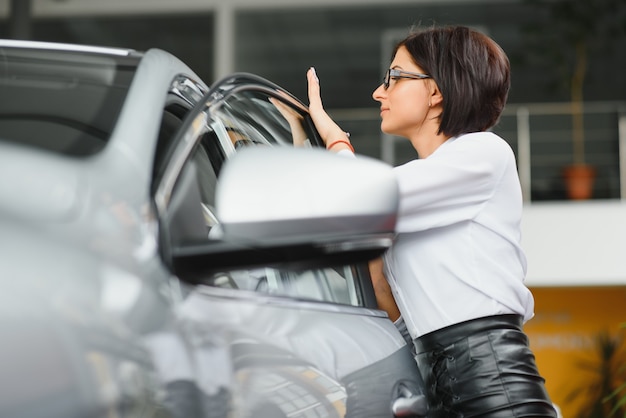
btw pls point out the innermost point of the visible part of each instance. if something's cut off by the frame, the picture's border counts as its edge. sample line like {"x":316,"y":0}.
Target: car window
{"x":62,"y":101}
{"x":337,"y":285}
{"x":257,"y":118}
{"x":184,"y":93}
{"x":245,"y":118}
{"x":252,"y":117}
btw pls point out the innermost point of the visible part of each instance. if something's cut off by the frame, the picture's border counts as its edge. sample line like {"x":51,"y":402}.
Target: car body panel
{"x":69,"y":348}
{"x":271,"y":348}
{"x":58,"y":190}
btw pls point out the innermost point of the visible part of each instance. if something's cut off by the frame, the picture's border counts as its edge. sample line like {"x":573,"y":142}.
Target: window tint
{"x":254,"y":118}
{"x":245,"y":118}
{"x":74,"y":98}
{"x":336,"y":285}
{"x":183,"y":94}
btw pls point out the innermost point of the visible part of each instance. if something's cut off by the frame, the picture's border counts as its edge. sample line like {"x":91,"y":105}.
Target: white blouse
{"x":457,"y":255}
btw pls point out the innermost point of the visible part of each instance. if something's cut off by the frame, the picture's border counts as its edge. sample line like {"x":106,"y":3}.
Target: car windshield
{"x":62,"y":101}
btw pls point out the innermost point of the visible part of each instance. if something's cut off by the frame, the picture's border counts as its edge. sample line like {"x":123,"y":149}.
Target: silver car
{"x":173,"y":250}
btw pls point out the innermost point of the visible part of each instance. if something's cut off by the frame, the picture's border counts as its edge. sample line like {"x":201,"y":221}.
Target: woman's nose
{"x":378,"y":93}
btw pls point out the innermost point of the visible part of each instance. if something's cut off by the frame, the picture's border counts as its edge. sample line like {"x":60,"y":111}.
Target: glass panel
{"x":73,"y":98}
{"x":336,"y":285}
{"x":247,"y":118}
{"x":253,"y":117}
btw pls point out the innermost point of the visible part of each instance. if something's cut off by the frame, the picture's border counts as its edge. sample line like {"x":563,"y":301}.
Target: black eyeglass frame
{"x":395,"y":73}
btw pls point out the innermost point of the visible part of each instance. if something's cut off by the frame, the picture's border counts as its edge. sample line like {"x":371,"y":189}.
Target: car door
{"x":269,"y":340}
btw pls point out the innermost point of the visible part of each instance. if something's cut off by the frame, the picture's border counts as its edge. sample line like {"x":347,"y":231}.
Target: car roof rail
{"x":57,"y":46}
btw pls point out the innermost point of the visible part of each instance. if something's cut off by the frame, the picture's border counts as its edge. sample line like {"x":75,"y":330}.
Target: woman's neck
{"x":426,"y":144}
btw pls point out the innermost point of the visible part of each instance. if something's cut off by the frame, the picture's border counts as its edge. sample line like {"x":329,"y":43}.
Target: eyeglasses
{"x":393,"y":73}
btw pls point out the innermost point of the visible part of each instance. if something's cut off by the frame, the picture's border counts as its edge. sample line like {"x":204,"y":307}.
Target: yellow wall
{"x":561,"y":334}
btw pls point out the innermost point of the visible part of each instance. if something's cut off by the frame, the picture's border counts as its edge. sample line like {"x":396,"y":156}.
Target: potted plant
{"x":574,"y":29}
{"x":603,"y":395}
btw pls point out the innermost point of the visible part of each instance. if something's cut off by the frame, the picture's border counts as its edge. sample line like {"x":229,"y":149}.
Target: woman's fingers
{"x":326,"y":127}
{"x":315,"y":99}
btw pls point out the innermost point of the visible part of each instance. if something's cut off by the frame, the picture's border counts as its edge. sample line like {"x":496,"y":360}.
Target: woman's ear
{"x":436,"y":97}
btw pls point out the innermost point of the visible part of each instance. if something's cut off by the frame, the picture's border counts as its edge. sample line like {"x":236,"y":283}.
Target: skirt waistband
{"x":445,"y":336}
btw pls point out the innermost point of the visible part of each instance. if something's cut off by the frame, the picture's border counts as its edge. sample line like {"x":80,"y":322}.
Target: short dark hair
{"x":470,"y":69}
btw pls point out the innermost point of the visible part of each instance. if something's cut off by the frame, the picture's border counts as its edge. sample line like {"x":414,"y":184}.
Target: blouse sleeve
{"x":452,"y":184}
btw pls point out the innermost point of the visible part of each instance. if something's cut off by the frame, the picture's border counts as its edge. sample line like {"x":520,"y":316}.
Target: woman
{"x":456,"y":271}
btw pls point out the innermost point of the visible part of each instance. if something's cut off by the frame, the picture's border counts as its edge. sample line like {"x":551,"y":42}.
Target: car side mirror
{"x":294,"y":207}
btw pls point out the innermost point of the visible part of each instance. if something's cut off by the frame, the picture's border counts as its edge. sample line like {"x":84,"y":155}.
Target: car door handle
{"x":408,"y":401}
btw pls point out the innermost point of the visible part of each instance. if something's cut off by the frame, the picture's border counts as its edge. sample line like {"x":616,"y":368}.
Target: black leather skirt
{"x":482,"y":368}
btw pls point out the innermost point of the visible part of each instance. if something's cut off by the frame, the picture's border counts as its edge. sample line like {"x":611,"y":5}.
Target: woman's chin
{"x":388,"y":131}
{"x":389,"y":128}
{"x":385,"y":129}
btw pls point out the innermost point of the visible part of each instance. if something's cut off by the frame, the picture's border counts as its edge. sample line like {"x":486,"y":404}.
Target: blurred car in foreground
{"x":174,"y":250}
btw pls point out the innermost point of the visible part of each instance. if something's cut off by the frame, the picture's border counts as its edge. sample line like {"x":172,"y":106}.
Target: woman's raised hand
{"x":326,"y":127}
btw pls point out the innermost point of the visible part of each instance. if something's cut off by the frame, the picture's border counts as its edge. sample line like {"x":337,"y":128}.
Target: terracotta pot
{"x":579,"y":179}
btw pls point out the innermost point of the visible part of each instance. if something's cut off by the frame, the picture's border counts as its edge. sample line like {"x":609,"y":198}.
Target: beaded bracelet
{"x":340,"y":141}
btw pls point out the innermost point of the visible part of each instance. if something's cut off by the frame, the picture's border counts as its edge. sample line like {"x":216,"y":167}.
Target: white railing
{"x":525,"y":132}
{"x":539,"y":133}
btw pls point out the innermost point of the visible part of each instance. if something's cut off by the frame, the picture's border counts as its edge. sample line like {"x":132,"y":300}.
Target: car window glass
{"x":335,"y":285}
{"x":254,"y":118}
{"x":62,"y":101}
{"x":246,"y":118}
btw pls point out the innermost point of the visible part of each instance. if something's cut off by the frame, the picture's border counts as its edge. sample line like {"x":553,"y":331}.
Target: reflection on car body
{"x":137,"y":283}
